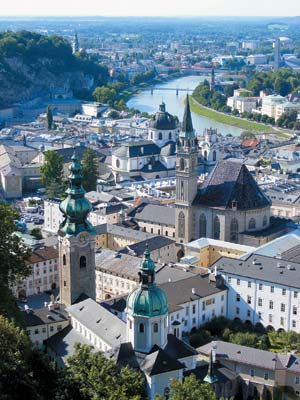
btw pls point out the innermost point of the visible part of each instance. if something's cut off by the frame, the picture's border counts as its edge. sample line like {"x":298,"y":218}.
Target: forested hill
{"x":33,"y":65}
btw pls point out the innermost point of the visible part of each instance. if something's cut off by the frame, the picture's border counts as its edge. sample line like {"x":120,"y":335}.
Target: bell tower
{"x":147,"y":310}
{"x":186,"y":176}
{"x":76,"y":241}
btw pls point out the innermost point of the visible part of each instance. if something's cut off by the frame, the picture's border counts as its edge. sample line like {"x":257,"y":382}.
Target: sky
{"x":149,"y":8}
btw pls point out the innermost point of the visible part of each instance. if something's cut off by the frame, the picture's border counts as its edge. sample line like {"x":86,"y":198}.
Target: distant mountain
{"x":33,"y":65}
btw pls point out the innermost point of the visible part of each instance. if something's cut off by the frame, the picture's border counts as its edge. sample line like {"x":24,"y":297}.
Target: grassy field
{"x":229,"y":120}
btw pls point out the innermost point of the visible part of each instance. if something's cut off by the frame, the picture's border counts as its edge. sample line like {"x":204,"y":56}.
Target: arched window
{"x":151,"y":135}
{"x":202,"y":226}
{"x":181,"y":224}
{"x":160,"y":136}
{"x":141,"y":328}
{"x":155,"y":327}
{"x":82,"y":262}
{"x":205,"y":155}
{"x":181,"y":164}
{"x":252,"y":224}
{"x":181,"y":190}
{"x":265,"y":220}
{"x":193,"y":164}
{"x":118,"y":163}
{"x":170,"y":135}
{"x":216,"y":228}
{"x":234,"y":230}
{"x":64,"y":260}
{"x":214,"y":155}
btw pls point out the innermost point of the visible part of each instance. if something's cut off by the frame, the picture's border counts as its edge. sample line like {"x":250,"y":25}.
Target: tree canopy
{"x":13,"y":257}
{"x":90,"y":170}
{"x":99,"y":378}
{"x":190,"y":389}
{"x":52,"y":173}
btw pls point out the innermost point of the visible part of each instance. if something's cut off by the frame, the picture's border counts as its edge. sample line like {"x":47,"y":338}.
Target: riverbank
{"x":228,"y":119}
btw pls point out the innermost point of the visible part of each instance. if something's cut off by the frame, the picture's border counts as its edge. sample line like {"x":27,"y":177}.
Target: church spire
{"x":211,"y":376}
{"x":187,"y":129}
{"x":75,"y":207}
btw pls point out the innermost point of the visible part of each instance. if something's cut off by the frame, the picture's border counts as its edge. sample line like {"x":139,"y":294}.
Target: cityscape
{"x":149,"y":201}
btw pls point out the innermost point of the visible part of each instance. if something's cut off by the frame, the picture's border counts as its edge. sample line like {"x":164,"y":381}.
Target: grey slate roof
{"x":263,"y":268}
{"x":250,"y":356}
{"x":137,"y":149}
{"x":180,"y":292}
{"x":168,"y":149}
{"x":99,"y":320}
{"x":230,"y":181}
{"x":154,"y":243}
{"x":63,"y":342}
{"x":122,"y":265}
{"x":187,"y":124}
{"x":159,"y":362}
{"x":178,"y":349}
{"x":154,"y":213}
{"x":119,"y":230}
{"x":43,"y":316}
{"x":163,"y":120}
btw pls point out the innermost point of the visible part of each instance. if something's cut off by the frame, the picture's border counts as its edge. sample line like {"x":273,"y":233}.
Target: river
{"x":145,"y":101}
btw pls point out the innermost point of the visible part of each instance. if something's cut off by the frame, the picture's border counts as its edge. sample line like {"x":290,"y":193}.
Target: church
{"x":142,"y":340}
{"x":153,"y":158}
{"x":228,"y":206}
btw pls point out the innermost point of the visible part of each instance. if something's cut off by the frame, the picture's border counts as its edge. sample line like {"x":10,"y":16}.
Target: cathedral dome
{"x":147,"y":300}
{"x":162,"y":120}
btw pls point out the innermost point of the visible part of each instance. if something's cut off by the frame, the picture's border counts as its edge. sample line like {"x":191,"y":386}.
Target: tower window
{"x":64,"y":260}
{"x":214,"y":155}
{"x":170,"y":135}
{"x":216,"y":228}
{"x":252,"y":224}
{"x":234,"y":230}
{"x":82,"y":262}
{"x":181,"y":164}
{"x":141,"y":328}
{"x":202,"y":226}
{"x":181,"y":225}
{"x":160,"y":136}
{"x":65,"y":283}
{"x":155,"y":327}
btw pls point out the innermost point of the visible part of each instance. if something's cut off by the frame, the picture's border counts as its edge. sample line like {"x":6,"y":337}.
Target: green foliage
{"x":265,"y":343}
{"x":208,"y":98}
{"x":190,"y":389}
{"x":13,"y":257}
{"x":282,"y":81}
{"x":104,"y":94}
{"x":114,"y":114}
{"x":244,"y":339}
{"x":90,"y":170}
{"x":99,"y":378}
{"x":247,"y":135}
{"x":200,"y":338}
{"x":288,"y":120}
{"x":49,"y":117}
{"x":52,"y":173}
{"x":146,"y":77}
{"x":26,"y":373}
{"x":36,"y":233}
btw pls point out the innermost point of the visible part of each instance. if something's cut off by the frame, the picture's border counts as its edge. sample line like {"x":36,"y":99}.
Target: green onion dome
{"x":75,"y":207}
{"x":147,"y":300}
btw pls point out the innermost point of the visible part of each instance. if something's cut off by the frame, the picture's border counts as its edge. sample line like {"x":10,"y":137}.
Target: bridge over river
{"x":177,"y":90}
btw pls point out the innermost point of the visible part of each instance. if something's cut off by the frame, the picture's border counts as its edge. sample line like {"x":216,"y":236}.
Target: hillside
{"x":33,"y":65}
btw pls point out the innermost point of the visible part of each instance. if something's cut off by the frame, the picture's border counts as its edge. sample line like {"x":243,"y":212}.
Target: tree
{"x":49,"y":117}
{"x":244,"y":339}
{"x":265,"y":343}
{"x":52,"y":169}
{"x":13,"y":257}
{"x":90,"y":170}
{"x":104,"y":94}
{"x":200,"y":338}
{"x":190,"y":389}
{"x":26,"y":373}
{"x":247,"y":135}
{"x":36,"y":233}
{"x":282,"y":86}
{"x":99,"y":378}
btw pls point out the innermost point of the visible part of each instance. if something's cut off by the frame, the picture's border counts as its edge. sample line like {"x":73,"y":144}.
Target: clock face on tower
{"x":82,"y":238}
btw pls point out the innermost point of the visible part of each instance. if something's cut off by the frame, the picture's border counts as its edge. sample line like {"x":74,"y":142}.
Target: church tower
{"x":147,"y":310}
{"x":76,"y":241}
{"x":186,"y":176}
